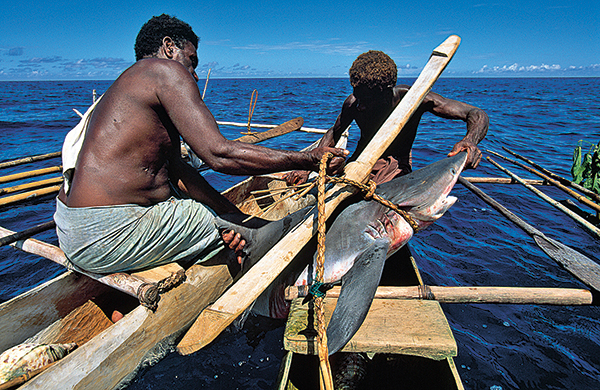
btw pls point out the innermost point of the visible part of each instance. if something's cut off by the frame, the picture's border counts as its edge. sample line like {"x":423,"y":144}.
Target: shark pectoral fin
{"x":359,"y":285}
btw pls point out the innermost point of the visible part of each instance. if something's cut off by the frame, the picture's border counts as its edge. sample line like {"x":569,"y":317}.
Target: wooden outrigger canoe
{"x":73,"y":306}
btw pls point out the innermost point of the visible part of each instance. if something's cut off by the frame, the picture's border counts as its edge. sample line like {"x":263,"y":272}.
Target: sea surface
{"x":500,"y":346}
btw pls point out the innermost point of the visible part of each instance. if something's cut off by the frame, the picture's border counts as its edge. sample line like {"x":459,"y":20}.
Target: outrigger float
{"x":405,"y":333}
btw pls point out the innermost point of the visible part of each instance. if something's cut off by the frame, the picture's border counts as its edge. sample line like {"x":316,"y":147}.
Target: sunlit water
{"x":500,"y":346}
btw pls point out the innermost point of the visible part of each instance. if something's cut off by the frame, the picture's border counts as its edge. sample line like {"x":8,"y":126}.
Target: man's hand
{"x":473,"y":153}
{"x":234,"y":241}
{"x":296,"y":177}
{"x":335,"y":164}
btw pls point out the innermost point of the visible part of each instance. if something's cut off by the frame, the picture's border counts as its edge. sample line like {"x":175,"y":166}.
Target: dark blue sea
{"x":500,"y":347}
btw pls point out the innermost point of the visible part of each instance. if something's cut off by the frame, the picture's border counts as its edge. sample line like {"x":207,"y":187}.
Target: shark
{"x":358,"y":243}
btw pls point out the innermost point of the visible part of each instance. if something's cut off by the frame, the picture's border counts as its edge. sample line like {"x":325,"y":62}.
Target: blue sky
{"x":41,"y":40}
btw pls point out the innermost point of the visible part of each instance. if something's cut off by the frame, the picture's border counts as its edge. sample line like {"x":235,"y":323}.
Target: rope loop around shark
{"x":369,"y":193}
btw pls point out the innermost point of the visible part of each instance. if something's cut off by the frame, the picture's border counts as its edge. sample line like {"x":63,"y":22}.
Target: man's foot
{"x":234,"y":241}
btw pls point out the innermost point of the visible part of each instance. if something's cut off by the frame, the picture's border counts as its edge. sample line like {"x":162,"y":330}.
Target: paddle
{"x":284,"y":128}
{"x":591,"y":228}
{"x":583,"y":190}
{"x":579,"y":265}
{"x":214,"y":319}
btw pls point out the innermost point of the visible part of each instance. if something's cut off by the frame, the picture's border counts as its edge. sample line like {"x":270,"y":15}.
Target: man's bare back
{"x":131,"y":152}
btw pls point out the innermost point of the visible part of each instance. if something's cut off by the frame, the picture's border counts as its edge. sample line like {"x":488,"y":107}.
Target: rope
{"x":369,"y":194}
{"x":253,"y":99}
{"x":149,"y":293}
{"x":326,"y":377}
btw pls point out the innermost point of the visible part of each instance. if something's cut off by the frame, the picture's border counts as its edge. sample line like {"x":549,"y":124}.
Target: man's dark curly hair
{"x":373,"y":69}
{"x":151,"y":34}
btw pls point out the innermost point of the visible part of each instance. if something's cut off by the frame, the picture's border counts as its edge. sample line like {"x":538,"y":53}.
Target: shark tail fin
{"x":260,"y":235}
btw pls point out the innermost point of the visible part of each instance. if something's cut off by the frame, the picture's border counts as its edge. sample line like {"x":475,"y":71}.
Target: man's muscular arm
{"x":476,"y":119}
{"x":181,"y":99}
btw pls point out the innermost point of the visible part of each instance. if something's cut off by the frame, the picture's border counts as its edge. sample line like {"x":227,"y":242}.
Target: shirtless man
{"x":375,"y":95}
{"x":121,"y":211}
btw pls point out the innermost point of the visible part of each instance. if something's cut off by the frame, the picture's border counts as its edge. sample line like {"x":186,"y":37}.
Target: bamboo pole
{"x":25,"y":160}
{"x":503,"y":180}
{"x":29,"y":195}
{"x":591,"y":228}
{"x":28,"y":174}
{"x":565,"y":181}
{"x":445,"y":294}
{"x":582,"y":199}
{"x":29,"y":186}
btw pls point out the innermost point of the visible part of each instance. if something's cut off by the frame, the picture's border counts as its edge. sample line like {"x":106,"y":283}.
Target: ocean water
{"x":499,"y":346}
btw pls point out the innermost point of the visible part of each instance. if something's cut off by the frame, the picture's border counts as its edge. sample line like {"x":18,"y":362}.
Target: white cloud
{"x":553,"y":69}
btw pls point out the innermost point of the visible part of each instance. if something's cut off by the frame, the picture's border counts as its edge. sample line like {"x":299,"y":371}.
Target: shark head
{"x":423,"y":194}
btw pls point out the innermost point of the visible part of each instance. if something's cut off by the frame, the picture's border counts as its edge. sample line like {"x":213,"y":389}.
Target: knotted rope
{"x":325,"y":368}
{"x":369,"y":193}
{"x":149,"y":293}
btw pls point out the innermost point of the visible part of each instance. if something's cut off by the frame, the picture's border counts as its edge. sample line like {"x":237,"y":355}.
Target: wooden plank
{"x":249,"y":287}
{"x":409,"y":327}
{"x":115,"y":353}
{"x":29,"y":313}
{"x":79,"y":326}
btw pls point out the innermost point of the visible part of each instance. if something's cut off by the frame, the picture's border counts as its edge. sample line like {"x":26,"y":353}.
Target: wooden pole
{"x":29,"y":195}
{"x":444,"y":294}
{"x":29,"y":186}
{"x":29,"y":159}
{"x":565,"y":181}
{"x":591,"y":228}
{"x":503,"y":180}
{"x":27,"y":233}
{"x":556,"y":183}
{"x":28,"y":174}
{"x":582,"y":267}
{"x":264,"y":126}
{"x":206,"y":83}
